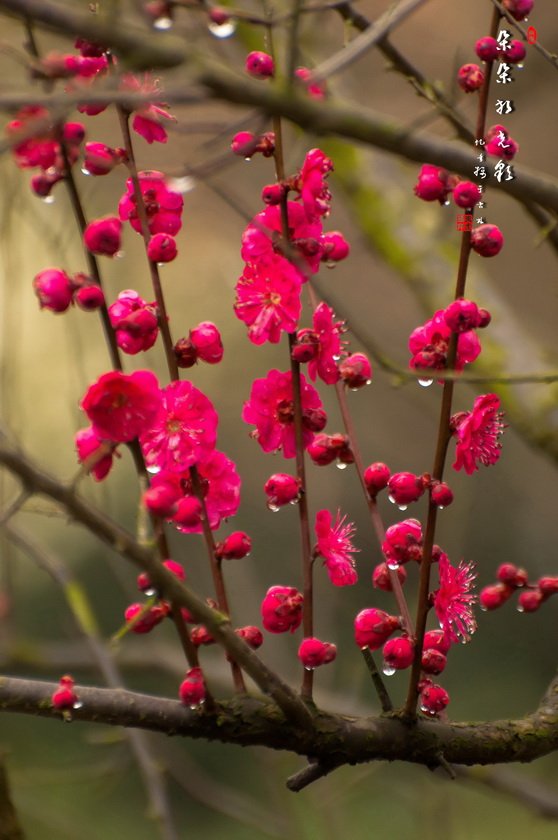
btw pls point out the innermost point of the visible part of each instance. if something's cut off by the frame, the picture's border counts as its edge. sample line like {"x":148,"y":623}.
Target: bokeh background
{"x":73,"y":781}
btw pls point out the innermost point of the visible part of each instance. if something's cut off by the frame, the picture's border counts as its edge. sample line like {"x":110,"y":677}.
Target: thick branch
{"x":333,"y":740}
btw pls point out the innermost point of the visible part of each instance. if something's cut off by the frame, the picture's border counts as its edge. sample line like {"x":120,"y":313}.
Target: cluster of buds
{"x":135,"y":322}
{"x":325,"y":449}
{"x":203,"y":344}
{"x":281,"y":609}
{"x":57,"y":290}
{"x":143,"y":618}
{"x":282,"y":489}
{"x":429,"y":344}
{"x":405,"y":487}
{"x":510,"y":578}
{"x":499,"y":142}
{"x":246,"y":144}
{"x":313,"y":653}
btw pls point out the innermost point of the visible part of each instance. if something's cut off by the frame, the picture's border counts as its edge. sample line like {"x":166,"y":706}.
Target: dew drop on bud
{"x":77,"y":705}
{"x":402,"y":507}
{"x":341,"y":466}
{"x":162,"y":23}
{"x":153,"y":469}
{"x":426,"y":383}
{"x":306,"y":668}
{"x":440,"y":507}
{"x":85,"y":170}
{"x":330,"y":264}
{"x":248,"y":160}
{"x":393,"y":565}
{"x":519,"y":608}
{"x":119,"y":255}
{"x":150,"y":592}
{"x":388,"y":670}
{"x":292,"y":502}
{"x":48,"y":199}
{"x":483,"y":608}
{"x":336,"y":358}
{"x":368,"y":382}
{"x":223,"y":30}
{"x":273,"y":508}
{"x":519,"y":66}
{"x":447,"y":202}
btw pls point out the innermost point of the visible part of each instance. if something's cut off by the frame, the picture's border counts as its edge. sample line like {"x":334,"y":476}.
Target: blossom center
{"x":285,"y":411}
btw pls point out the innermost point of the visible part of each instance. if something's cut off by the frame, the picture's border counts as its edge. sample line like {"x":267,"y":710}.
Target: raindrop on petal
{"x":402,"y":507}
{"x":440,"y":507}
{"x":388,"y":670}
{"x":392,"y":500}
{"x":426,"y":383}
{"x":85,"y":170}
{"x":393,"y":565}
{"x":273,"y":508}
{"x":153,"y":469}
{"x":341,"y":466}
{"x":150,"y":592}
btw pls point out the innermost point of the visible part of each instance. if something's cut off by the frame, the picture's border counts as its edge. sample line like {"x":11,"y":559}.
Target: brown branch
{"x":10,"y":828}
{"x":333,"y":740}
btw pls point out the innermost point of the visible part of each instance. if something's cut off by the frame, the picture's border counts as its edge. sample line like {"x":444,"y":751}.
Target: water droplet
{"x":330,"y":264}
{"x":149,"y":592}
{"x":388,"y":670}
{"x":428,"y":711}
{"x":519,"y":66}
{"x":48,"y":199}
{"x":519,"y":608}
{"x":393,"y":565}
{"x":160,"y":265}
{"x":85,"y":170}
{"x":402,"y":507}
{"x":426,"y":383}
{"x":162,"y":23}
{"x":392,"y":500}
{"x":294,"y":501}
{"x":369,"y":382}
{"x":354,"y":390}
{"x":77,"y":705}
{"x":307,"y":668}
{"x":365,"y":647}
{"x":273,"y":508}
{"x":119,"y":255}
{"x":483,"y":608}
{"x":336,"y":358}
{"x":248,"y":159}
{"x":341,"y":466}
{"x":183,"y":184}
{"x":153,"y":469}
{"x":223,"y":30}
{"x":440,"y":507}
{"x":447,"y":202}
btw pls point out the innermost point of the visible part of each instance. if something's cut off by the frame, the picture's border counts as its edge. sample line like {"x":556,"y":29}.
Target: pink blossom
{"x":271,"y":409}
{"x":405,"y":487}
{"x":478,"y":432}
{"x":325,"y":449}
{"x":148,"y":119}
{"x":37,"y":146}
{"x":312,"y":186}
{"x":316,"y":90}
{"x":162,"y":206}
{"x":161,"y":248}
{"x":336,"y":547}
{"x":134,"y":321}
{"x":260,"y":236}
{"x":373,"y":627}
{"x":184,"y":430}
{"x":432,"y":183}
{"x":281,"y":489}
{"x":429,"y":345}
{"x":253,"y":636}
{"x":220,"y":484}
{"x":100,"y":159}
{"x":376,"y":477}
{"x":94,"y":453}
{"x":334,"y":247}
{"x":268,"y":299}
{"x":329,"y":345}
{"x":356,"y":371}
{"x":403,"y":542}
{"x":122,"y":406}
{"x":453,"y":601}
{"x":398,"y":653}
{"x":234,"y":547}
{"x":206,"y":340}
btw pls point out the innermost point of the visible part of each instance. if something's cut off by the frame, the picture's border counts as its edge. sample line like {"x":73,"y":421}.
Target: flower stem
{"x":123,"y":117}
{"x":379,"y":685}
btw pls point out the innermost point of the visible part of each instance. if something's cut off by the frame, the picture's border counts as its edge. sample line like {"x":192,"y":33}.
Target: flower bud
{"x":161,"y":248}
{"x":530,"y":600}
{"x":188,"y":512}
{"x":273,"y":194}
{"x":96,"y":454}
{"x":73,"y":133}
{"x":53,"y":287}
{"x":103,"y":236}
{"x":548,"y":586}
{"x":89,"y":298}
{"x":511,"y":575}
{"x":253,"y":636}
{"x":313,"y":653}
{"x":334,"y":247}
{"x":206,"y":340}
{"x":398,"y":653}
{"x":281,"y":489}
{"x":436,"y":640}
{"x":259,"y":65}
{"x":487,"y":50}
{"x":373,"y":627}
{"x":236,"y":546}
{"x":381,"y":578}
{"x":462,"y":315}
{"x":144,"y":581}
{"x":487,"y":240}
{"x":192,"y":691}
{"x":356,"y":371}
{"x":185,"y":353}
{"x":492,"y":597}
{"x":161,"y":500}
{"x":325,"y":449}
{"x":433,"y":661}
{"x":200,"y":635}
{"x":314,"y":419}
{"x":403,"y":542}
{"x":405,"y":487}
{"x":470,"y":77}
{"x":65,"y":698}
{"x":518,"y":8}
{"x":441,"y":494}
{"x":244,"y":144}
{"x":376,"y":477}
{"x":281,"y":609}
{"x":150,"y":619}
{"x":433,"y":700}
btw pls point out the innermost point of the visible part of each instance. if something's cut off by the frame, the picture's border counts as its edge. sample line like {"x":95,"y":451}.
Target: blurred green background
{"x":79,"y":781}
